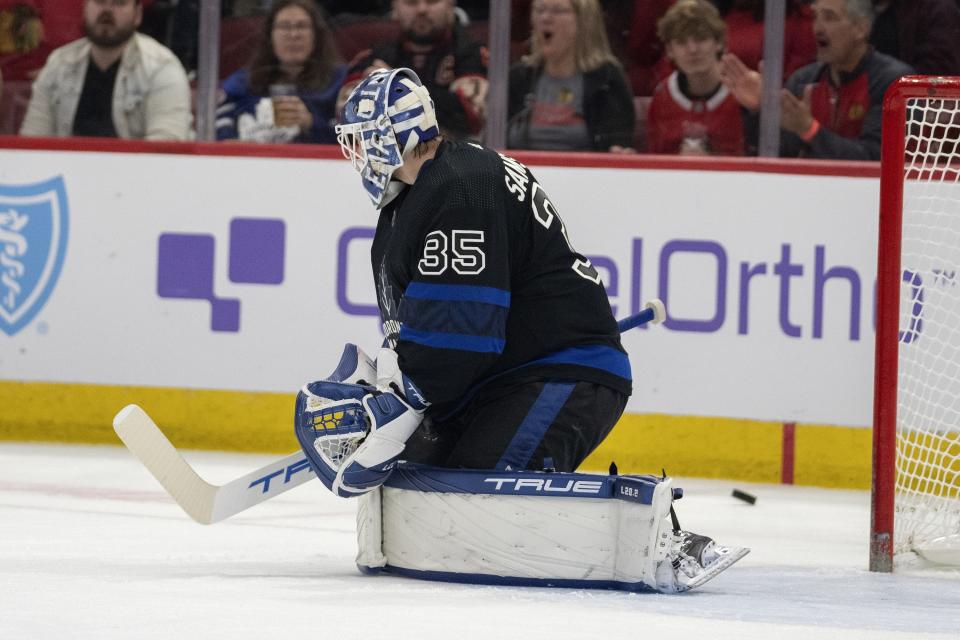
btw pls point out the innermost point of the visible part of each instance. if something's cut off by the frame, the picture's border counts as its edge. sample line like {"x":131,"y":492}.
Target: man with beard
{"x":833,"y":107}
{"x":114,"y":82}
{"x":450,"y":65}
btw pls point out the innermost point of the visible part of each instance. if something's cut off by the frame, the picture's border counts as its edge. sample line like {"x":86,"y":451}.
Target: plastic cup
{"x":277,"y":93}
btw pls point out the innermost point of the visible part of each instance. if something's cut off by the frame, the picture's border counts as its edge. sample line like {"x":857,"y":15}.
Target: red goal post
{"x":916,"y":427}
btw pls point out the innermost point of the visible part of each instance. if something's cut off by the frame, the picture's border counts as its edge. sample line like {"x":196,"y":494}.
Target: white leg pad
{"x":643,"y":537}
{"x":530,"y":528}
{"x":370,"y":556}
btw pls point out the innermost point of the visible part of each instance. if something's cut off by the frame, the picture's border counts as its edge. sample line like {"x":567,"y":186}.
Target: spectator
{"x":438,"y":49}
{"x":833,"y":107}
{"x":745,"y":27}
{"x":923,"y":33}
{"x":692,"y":112}
{"x":114,"y":82}
{"x":31,"y":29}
{"x":570,"y":93}
{"x":296,"y":56}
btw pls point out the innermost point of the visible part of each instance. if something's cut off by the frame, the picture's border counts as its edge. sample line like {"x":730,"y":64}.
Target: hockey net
{"x":916,"y":476}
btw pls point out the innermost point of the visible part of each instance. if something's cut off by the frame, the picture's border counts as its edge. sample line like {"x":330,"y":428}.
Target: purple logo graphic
{"x":185,"y":265}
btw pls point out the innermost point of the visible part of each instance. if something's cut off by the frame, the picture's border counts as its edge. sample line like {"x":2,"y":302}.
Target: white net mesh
{"x":338,"y":426}
{"x":927,"y":508}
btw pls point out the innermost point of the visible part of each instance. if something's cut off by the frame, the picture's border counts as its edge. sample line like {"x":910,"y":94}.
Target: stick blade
{"x":144,"y":439}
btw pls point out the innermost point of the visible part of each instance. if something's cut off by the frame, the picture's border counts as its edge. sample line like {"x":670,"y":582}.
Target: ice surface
{"x":91,"y":547}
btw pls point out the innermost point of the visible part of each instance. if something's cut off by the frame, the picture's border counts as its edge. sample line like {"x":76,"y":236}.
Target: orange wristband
{"x":811,"y":131}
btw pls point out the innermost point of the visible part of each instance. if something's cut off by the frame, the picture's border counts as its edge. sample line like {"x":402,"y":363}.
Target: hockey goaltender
{"x":501,"y":370}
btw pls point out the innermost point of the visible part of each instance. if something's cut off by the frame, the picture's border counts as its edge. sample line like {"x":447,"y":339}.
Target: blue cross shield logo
{"x":33,"y":242}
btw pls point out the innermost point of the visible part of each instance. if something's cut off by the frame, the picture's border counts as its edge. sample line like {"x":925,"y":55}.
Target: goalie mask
{"x":386,"y":116}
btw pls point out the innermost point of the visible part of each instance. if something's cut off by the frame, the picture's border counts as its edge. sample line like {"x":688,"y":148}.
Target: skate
{"x":691,"y":560}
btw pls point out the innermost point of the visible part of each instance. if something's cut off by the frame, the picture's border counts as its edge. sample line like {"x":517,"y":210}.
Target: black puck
{"x":743,"y":495}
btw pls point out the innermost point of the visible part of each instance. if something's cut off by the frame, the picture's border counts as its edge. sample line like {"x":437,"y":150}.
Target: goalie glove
{"x":391,"y":379}
{"x":352,"y":434}
{"x":355,"y":367}
{"x":394,"y":411}
{"x":392,"y":422}
{"x":329,"y":423}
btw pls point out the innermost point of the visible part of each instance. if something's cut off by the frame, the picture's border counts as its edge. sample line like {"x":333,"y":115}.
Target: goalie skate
{"x":692,"y":560}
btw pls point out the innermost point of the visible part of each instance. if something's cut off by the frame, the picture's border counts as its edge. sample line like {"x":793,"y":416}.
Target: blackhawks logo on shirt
{"x":21,"y":30}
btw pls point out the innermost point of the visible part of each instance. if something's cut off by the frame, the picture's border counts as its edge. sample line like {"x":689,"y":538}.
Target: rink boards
{"x":209,"y":287}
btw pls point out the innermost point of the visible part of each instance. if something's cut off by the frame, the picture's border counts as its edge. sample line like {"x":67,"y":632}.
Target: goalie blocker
{"x":534,"y":529}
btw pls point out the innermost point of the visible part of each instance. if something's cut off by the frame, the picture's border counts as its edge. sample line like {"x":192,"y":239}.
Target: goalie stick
{"x":204,"y":502}
{"x":208,"y":503}
{"x":653,"y":311}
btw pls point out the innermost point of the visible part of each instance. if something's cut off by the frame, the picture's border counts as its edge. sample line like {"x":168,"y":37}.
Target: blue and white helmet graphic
{"x":387,"y":115}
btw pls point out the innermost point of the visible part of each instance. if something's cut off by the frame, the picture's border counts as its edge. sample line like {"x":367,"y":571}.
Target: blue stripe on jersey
{"x":438,"y":340}
{"x":442,"y":316}
{"x":458,"y":293}
{"x":535,"y":424}
{"x":595,"y":356}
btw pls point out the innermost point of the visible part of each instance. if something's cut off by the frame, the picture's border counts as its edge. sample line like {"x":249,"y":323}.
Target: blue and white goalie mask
{"x":387,"y":115}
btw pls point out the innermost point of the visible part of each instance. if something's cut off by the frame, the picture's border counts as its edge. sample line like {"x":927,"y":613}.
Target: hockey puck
{"x":743,"y":495}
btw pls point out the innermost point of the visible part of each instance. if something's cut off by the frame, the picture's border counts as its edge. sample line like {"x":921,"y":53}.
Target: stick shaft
{"x":653,"y":311}
{"x":635,"y":320}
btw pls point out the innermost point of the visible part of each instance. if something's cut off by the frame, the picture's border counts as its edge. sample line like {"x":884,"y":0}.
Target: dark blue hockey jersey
{"x":477,"y":281}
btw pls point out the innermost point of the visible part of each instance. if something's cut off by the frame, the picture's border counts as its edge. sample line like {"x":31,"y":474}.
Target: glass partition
{"x":227,"y":49}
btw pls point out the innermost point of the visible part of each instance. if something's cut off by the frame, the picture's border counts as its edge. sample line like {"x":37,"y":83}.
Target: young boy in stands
{"x":692,"y":112}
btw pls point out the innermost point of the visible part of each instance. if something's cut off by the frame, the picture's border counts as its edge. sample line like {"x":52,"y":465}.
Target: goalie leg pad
{"x":530,"y":528}
{"x":370,"y":558}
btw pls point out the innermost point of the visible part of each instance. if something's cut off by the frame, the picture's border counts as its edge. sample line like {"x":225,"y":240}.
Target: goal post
{"x":915,"y":509}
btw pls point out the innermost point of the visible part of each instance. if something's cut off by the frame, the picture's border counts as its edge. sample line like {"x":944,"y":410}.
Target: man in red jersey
{"x":833,"y":107}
